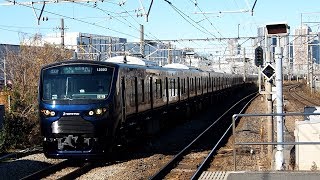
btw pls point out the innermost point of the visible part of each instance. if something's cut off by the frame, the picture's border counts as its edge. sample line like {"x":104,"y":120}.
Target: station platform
{"x":263,"y":175}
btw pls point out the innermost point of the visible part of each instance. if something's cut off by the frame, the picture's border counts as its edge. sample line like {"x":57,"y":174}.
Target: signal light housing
{"x":258,"y":60}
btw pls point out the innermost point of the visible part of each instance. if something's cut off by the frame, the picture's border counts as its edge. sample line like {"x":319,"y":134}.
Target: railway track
{"x":295,"y":92}
{"x":64,"y":170}
{"x":72,"y":169}
{"x":200,"y":160}
{"x":20,"y":153}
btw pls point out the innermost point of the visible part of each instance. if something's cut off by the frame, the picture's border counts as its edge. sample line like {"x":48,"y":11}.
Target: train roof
{"x":174,"y":67}
{"x":131,"y":60}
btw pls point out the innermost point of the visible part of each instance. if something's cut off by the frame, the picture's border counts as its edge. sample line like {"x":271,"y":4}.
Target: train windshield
{"x":73,"y":82}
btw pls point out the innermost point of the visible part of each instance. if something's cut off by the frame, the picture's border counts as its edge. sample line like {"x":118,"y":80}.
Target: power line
{"x":79,"y":20}
{"x":207,"y":19}
{"x":183,"y":15}
{"x":24,"y":27}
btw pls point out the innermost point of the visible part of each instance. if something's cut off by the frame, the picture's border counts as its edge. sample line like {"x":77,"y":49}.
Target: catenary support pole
{"x":279,"y":154}
{"x":141,"y":40}
{"x":62,"y":32}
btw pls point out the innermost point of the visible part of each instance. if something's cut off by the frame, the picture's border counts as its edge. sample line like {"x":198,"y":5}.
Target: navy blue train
{"x":85,"y":106}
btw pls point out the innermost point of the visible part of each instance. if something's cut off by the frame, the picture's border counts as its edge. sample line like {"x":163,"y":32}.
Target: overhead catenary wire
{"x":128,"y":23}
{"x":206,"y":18}
{"x":190,"y":20}
{"x":79,"y":20}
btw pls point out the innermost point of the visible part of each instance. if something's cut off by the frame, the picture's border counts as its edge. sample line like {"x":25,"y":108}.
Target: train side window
{"x":174,"y":87}
{"x":142,"y":90}
{"x":179,"y":87}
{"x":195,"y":84}
{"x":136,"y":93}
{"x":206,"y":84}
{"x":132,"y":92}
{"x":158,"y":88}
{"x":182,"y":86}
{"x":167,"y":87}
{"x":200,"y":83}
{"x":191,"y":89}
{"x":147,"y":92}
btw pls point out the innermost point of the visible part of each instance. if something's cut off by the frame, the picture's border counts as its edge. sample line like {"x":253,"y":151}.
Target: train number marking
{"x":102,"y":69}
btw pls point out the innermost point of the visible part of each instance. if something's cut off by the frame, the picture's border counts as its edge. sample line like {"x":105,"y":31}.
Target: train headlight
{"x":91,"y":113}
{"x":98,"y":111}
{"x":52,"y":113}
{"x":47,"y":112}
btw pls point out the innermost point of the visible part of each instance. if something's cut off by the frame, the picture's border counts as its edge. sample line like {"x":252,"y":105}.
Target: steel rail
{"x":47,"y":171}
{"x":208,"y":159}
{"x":21,"y":153}
{"x":78,"y":172}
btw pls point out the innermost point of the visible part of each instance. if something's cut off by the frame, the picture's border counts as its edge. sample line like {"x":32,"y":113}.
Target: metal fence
{"x":235,"y":116}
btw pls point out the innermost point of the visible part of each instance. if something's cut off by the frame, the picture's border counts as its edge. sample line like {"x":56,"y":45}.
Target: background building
{"x":89,"y":46}
{"x":4,"y":50}
{"x":301,"y":49}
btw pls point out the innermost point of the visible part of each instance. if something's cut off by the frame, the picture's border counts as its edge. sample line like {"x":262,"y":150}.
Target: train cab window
{"x":72,"y":82}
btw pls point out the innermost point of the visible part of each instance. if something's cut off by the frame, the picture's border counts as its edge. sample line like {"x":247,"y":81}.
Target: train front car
{"x":76,"y":111}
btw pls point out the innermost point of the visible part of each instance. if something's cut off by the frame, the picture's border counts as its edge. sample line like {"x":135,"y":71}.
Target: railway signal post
{"x":278,"y":30}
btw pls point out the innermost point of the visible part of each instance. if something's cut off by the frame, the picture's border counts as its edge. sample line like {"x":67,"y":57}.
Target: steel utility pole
{"x":169,"y":54}
{"x":244,"y":64}
{"x":141,"y":40}
{"x":279,"y":94}
{"x":62,"y":32}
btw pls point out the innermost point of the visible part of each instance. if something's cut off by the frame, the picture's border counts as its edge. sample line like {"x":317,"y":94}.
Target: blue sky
{"x":109,"y":18}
